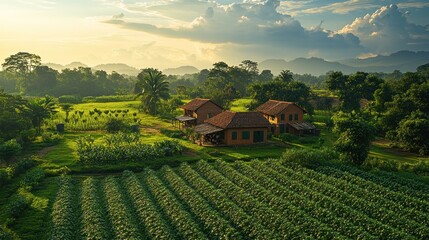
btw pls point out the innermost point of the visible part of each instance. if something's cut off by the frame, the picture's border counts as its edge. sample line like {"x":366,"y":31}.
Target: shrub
{"x":9,"y":148}
{"x":32,"y":178}
{"x":4,"y":176}
{"x":173,"y":133}
{"x":308,"y":157}
{"x":69,"y":99}
{"x":17,"y":204}
{"x":287,"y":137}
{"x":22,"y":166}
{"x":52,"y":138}
{"x":5,"y":234}
{"x":113,"y":150}
{"x":115,"y":125}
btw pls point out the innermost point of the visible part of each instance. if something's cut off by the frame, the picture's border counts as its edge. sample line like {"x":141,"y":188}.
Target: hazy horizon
{"x":166,"y":34}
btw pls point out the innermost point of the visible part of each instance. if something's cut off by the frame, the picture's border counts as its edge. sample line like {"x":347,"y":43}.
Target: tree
{"x":14,"y":122}
{"x":67,"y":107}
{"x":22,"y":62}
{"x":40,"y":109}
{"x":285,"y":76}
{"x":279,"y":90}
{"x":355,"y":137}
{"x":265,"y":76}
{"x":352,"y":88}
{"x":154,"y":88}
{"x":413,"y":133}
{"x":41,"y":81}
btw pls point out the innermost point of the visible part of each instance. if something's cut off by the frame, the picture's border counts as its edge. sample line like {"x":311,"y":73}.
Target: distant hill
{"x":313,"y":66}
{"x":404,"y":61}
{"x":119,"y":68}
{"x":75,"y":65}
{"x":109,"y":67}
{"x":55,"y":66}
{"x":181,"y":70}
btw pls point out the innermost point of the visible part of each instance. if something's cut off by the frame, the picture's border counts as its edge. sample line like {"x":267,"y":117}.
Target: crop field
{"x":242,"y":200}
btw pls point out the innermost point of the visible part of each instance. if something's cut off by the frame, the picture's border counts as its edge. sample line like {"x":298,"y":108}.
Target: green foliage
{"x":355,"y":136}
{"x":154,"y":88}
{"x":63,"y":213}
{"x":309,"y":157}
{"x":283,"y":90}
{"x":14,"y":122}
{"x":5,"y":234}
{"x":9,"y":149}
{"x":32,"y":178}
{"x":352,"y":88}
{"x":121,"y":147}
{"x":4,"y":176}
{"x":21,"y":62}
{"x":52,"y":138}
{"x":172,"y":133}
{"x":168,"y":108}
{"x":413,"y":133}
{"x":40,"y":109}
{"x":72,"y":99}
{"x":22,"y":166}
{"x":18,"y":203}
{"x":114,"y":125}
{"x":110,"y":98}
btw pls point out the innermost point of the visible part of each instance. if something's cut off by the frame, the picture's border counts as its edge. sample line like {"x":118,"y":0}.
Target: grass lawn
{"x":240,"y":105}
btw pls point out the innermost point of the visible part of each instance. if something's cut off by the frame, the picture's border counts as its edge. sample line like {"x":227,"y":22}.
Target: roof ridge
{"x":233,"y":115}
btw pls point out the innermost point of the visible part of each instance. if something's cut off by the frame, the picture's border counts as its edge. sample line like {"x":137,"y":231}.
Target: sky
{"x":172,"y":33}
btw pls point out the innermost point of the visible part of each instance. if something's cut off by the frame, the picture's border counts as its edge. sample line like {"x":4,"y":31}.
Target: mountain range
{"x":404,"y":61}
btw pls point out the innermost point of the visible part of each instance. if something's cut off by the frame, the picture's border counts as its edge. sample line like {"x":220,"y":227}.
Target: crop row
{"x":94,"y":224}
{"x":123,"y":223}
{"x":331,"y":203}
{"x":182,"y":220}
{"x":156,"y":227}
{"x":63,"y":211}
{"x":244,"y":222}
{"x":391,"y":181}
{"x":271,"y":219}
{"x":404,"y":205}
{"x":369,"y":208}
{"x":316,"y":209}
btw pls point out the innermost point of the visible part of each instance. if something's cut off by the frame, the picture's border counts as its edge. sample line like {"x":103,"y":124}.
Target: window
{"x":245,"y":135}
{"x":296,"y":116}
{"x":290,"y":117}
{"x":209,"y":115}
{"x":282,"y":117}
{"x":234,"y":135}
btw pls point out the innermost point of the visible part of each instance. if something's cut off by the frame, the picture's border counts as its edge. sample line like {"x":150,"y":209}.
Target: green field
{"x":237,"y":192}
{"x":241,"y":200}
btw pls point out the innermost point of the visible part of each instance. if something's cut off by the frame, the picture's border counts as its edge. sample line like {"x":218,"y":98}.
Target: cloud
{"x":388,"y":30}
{"x":343,"y":7}
{"x":255,"y":24}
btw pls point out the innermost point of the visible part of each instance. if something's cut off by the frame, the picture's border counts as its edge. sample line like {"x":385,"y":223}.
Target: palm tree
{"x":285,"y":76}
{"x":66,"y":107}
{"x":40,"y":109}
{"x":154,"y":88}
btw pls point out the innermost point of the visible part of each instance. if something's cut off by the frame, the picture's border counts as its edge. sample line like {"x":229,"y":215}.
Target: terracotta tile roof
{"x":228,"y":119}
{"x":274,"y":107}
{"x":196,"y":103}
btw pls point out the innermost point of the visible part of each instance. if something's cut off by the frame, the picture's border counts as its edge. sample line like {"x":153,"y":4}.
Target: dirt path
{"x":45,"y":151}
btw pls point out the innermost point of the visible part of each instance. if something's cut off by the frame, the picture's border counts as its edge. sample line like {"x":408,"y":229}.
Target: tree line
{"x":24,"y":73}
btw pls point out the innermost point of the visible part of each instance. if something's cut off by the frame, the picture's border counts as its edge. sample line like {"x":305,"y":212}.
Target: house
{"x":286,"y":117}
{"x":234,"y":128}
{"x":196,"y":112}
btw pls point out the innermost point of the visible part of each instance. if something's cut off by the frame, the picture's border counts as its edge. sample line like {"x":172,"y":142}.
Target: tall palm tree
{"x":154,"y":88}
{"x":285,"y":76}
{"x":40,"y":109}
